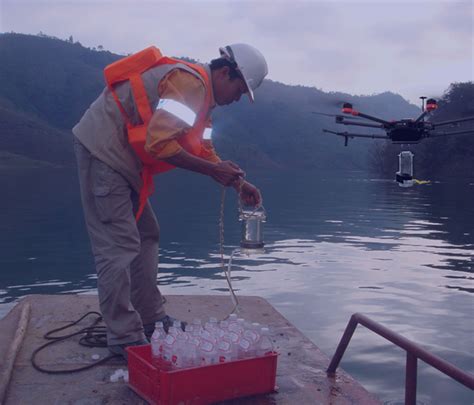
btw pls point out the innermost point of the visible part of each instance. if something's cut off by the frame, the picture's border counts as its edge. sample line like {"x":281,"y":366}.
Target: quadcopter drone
{"x":405,"y":131}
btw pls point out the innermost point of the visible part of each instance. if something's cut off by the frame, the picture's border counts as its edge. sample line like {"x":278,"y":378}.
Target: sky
{"x":413,"y":48}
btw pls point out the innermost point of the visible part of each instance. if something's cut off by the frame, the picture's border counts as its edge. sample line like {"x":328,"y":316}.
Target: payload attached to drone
{"x":405,"y":131}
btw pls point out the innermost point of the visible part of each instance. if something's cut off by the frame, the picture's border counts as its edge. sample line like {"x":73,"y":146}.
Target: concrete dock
{"x":301,"y":376}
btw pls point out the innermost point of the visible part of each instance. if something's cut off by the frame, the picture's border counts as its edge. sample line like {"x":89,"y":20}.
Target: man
{"x":153,"y":116}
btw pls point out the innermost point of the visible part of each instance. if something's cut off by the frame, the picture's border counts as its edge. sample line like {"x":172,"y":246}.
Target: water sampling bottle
{"x":252,"y":227}
{"x":404,"y":176}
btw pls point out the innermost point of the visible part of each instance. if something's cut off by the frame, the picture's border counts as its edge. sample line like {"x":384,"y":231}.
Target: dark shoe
{"x":121,"y":349}
{"x":167,"y":320}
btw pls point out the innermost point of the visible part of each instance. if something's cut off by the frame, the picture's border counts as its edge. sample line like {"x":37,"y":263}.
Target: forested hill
{"x":46,"y":84}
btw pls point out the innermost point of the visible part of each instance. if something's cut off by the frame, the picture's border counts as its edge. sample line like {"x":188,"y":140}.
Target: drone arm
{"x":422,"y":115}
{"x":351,"y":135}
{"x":345,"y":135}
{"x":335,"y":133}
{"x":369,"y":117}
{"x":439,"y":124}
{"x":360,"y":124}
{"x":467,"y":131}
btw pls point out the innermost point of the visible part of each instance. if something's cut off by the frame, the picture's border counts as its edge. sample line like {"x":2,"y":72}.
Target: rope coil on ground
{"x":93,"y":336}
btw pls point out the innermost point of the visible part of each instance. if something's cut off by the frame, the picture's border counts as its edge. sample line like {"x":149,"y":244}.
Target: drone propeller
{"x":348,"y":109}
{"x":334,"y":102}
{"x":343,"y":105}
{"x":431,"y":104}
{"x":332,"y":115}
{"x":426,"y":109}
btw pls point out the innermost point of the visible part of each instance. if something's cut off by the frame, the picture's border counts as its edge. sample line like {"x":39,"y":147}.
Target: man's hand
{"x":249,"y":194}
{"x":226,"y":173}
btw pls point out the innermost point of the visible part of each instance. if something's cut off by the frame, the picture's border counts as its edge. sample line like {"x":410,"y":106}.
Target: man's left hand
{"x":249,"y":194}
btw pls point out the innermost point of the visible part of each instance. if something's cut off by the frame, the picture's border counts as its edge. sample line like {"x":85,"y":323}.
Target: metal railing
{"x":414,"y":352}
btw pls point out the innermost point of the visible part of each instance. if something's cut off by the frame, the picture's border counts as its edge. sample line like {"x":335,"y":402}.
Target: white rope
{"x":227,"y":271}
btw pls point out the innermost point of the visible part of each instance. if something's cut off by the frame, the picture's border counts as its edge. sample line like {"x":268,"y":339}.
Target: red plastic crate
{"x":199,"y":385}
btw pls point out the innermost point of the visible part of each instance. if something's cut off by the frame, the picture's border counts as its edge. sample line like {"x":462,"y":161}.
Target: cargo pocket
{"x":111,"y":192}
{"x":103,"y":203}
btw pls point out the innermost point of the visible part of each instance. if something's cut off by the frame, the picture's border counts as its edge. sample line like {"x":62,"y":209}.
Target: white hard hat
{"x":250,"y":63}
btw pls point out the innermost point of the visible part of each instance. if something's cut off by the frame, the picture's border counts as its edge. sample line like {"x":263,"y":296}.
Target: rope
{"x":93,"y":336}
{"x":228,"y":276}
{"x":419,"y":182}
{"x":235,"y":301}
{"x":227,"y":270}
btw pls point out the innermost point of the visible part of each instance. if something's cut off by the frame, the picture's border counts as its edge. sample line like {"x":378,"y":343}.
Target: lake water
{"x":336,"y":245}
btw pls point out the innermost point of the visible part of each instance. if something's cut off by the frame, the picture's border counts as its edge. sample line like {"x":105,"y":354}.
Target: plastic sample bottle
{"x":264,"y":344}
{"x":157,"y":340}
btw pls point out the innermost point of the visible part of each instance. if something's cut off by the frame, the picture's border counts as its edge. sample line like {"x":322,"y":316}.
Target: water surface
{"x":336,"y":245}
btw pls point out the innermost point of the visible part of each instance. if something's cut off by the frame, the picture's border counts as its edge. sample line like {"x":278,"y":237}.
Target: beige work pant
{"x":125,"y":252}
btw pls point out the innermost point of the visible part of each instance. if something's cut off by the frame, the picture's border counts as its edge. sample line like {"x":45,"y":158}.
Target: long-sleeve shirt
{"x":165,"y":128}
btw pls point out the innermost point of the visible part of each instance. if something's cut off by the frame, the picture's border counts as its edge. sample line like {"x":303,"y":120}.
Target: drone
{"x":405,"y":131}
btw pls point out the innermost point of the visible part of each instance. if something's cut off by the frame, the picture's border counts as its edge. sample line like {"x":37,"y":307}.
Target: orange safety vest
{"x":130,"y":69}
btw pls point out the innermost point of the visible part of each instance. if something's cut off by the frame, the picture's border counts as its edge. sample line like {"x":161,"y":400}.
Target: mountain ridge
{"x":51,"y":93}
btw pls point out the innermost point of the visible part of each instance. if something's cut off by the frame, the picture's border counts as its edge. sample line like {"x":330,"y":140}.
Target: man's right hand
{"x":226,"y":173}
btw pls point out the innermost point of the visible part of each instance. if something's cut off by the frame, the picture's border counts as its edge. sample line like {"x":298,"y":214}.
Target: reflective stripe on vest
{"x":131,"y":68}
{"x":179,"y":110}
{"x":207,"y":134}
